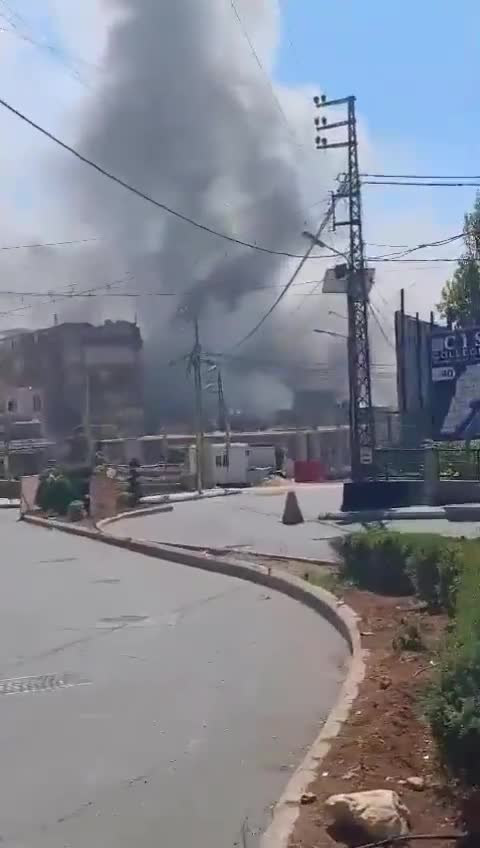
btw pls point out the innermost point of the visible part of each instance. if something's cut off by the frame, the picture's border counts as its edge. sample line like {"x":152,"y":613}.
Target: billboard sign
{"x":455,"y":391}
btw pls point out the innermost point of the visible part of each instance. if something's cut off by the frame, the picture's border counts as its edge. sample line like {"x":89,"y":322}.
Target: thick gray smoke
{"x":185,"y":114}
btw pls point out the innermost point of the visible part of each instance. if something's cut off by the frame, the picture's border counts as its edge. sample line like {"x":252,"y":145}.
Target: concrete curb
{"x":225,"y":551}
{"x":397,"y":514}
{"x":132,"y":513}
{"x":234,"y":552}
{"x":250,"y":552}
{"x":182,"y":497}
{"x":205,"y":549}
{"x":338,"y":614}
{"x":6,"y":504}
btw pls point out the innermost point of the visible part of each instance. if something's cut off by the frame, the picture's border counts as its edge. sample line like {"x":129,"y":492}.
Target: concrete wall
{"x":10,"y":489}
{"x":456,"y":491}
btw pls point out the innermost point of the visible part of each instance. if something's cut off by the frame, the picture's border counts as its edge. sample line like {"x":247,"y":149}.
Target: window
{"x":218,"y":461}
{"x":225,"y":461}
{"x":37,"y":403}
{"x":12,"y":405}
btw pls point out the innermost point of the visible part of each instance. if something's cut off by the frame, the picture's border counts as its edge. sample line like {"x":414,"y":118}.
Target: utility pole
{"x":223,"y":417}
{"x":196,"y":366}
{"x":362,"y":429}
{"x":87,"y":413}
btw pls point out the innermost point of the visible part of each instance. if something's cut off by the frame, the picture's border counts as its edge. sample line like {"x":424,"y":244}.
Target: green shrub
{"x":376,"y":560}
{"x":55,"y":494}
{"x":409,"y":638}
{"x":453,"y":700}
{"x":433,"y":565}
{"x":403,"y":563}
{"x":76,"y":511}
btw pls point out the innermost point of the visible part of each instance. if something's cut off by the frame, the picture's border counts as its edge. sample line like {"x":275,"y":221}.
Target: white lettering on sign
{"x":462,"y":346}
{"x":440,"y":374}
{"x":366,"y":456}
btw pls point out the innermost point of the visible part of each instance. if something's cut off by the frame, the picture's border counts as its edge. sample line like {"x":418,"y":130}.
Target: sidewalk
{"x":449,"y":512}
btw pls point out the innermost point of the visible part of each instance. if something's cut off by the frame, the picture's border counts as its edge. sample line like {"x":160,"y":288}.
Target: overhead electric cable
{"x":163,"y":206}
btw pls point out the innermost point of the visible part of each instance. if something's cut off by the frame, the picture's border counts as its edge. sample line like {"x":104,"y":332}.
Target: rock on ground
{"x":379,"y":813}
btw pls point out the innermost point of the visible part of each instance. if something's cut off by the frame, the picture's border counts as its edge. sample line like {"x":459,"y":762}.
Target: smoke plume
{"x":185,"y":113}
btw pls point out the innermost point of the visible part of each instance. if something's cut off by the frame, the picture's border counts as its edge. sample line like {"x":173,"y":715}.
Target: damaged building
{"x":76,"y":374}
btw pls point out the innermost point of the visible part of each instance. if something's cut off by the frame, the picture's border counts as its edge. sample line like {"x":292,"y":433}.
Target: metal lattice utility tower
{"x":362,"y":429}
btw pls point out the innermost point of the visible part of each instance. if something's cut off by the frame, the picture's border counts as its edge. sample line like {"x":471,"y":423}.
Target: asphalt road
{"x":249,"y":521}
{"x":173,"y":704}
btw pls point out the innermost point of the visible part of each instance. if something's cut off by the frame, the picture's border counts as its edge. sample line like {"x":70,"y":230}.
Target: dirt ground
{"x":385,"y":740}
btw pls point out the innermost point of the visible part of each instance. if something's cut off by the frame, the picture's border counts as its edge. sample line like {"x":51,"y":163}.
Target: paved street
{"x":251,"y":520}
{"x":176,"y":702}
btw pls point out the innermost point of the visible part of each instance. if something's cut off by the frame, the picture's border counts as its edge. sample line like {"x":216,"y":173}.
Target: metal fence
{"x":458,"y":463}
{"x":453,"y":463}
{"x":155,"y":479}
{"x":399,"y":463}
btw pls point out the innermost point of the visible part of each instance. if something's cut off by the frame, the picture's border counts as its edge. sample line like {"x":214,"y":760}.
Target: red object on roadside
{"x":311,"y":471}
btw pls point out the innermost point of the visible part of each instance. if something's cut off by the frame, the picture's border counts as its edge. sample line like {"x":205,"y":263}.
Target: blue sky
{"x":414,"y":66}
{"x":415,"y":69}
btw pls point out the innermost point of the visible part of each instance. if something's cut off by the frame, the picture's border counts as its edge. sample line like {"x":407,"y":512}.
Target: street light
{"x":331,"y":333}
{"x":321,"y":243}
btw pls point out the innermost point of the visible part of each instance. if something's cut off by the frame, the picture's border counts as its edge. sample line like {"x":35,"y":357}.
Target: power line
{"x":324,"y":367}
{"x":47,"y":244}
{"x":137,"y":294}
{"x":375,"y":244}
{"x":54,"y":297}
{"x":422,"y":176}
{"x":329,"y":213}
{"x":270,"y":84}
{"x":164,"y":207}
{"x":379,"y":325}
{"x":424,"y":246}
{"x":109,"y":175}
{"x":15,"y":19}
{"x":434,"y":259}
{"x":421,"y":184}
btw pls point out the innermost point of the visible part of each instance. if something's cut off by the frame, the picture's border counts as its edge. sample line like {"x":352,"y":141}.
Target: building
{"x":329,"y":445}
{"x":75,"y":374}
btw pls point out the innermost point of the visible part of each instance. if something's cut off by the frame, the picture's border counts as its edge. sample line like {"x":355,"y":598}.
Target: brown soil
{"x":385,"y":740}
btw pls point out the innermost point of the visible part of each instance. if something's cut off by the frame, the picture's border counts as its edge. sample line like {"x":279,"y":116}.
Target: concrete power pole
{"x":362,"y":429}
{"x":196,"y":365}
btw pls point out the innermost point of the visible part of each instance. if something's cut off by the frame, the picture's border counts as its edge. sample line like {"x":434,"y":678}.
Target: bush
{"x":409,"y":638}
{"x":453,"y":700}
{"x":76,"y":511}
{"x":55,"y":494}
{"x":376,"y":560}
{"x":404,"y":563}
{"x":433,"y":565}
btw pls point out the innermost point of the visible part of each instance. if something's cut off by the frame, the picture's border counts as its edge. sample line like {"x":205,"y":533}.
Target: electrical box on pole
{"x":362,"y":429}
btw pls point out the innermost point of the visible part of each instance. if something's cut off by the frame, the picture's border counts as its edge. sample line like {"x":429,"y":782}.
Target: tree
{"x":460,"y":299}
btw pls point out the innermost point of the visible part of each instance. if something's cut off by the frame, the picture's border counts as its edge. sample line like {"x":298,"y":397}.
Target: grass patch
{"x":328,"y":579}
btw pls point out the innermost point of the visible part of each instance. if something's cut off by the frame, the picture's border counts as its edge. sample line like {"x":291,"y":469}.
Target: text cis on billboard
{"x":455,"y":371}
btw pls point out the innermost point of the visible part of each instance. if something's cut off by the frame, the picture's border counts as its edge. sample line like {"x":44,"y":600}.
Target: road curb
{"x":235,"y":552}
{"x":338,"y":614}
{"x":203,"y":549}
{"x":396,"y":514}
{"x":133,"y":513}
{"x":185,"y":497}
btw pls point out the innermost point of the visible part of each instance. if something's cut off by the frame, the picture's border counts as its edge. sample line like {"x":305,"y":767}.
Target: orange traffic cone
{"x":292,"y":513}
